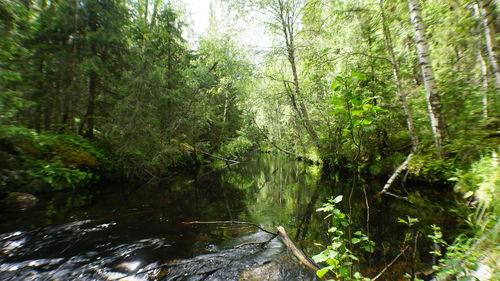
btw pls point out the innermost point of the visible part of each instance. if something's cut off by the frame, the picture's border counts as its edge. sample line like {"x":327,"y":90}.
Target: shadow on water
{"x":124,"y":232}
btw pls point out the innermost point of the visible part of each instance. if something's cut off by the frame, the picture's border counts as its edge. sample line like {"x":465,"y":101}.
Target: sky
{"x":199,"y":14}
{"x":253,"y":34}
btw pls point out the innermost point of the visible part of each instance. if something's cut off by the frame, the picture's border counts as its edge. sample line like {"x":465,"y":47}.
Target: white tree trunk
{"x":397,"y":80}
{"x":482,"y":64}
{"x":484,"y":82}
{"x":486,"y":9}
{"x":433,"y":101}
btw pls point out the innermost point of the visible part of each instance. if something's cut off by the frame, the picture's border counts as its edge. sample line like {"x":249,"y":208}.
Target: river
{"x":136,"y":232}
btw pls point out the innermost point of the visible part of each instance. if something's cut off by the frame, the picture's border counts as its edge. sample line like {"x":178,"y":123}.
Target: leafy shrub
{"x":236,"y":146}
{"x":41,"y":162}
{"x":427,"y":166}
{"x":338,"y":256}
{"x":482,"y":180}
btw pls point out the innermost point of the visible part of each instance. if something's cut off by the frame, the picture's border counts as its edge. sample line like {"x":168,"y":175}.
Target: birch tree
{"x":484,"y":69}
{"x":432,"y":96}
{"x":486,"y":10}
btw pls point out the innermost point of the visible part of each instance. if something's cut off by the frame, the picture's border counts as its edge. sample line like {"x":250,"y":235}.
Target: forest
{"x":136,"y":146}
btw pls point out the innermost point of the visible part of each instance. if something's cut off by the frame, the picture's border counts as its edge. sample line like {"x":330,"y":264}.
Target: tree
{"x":433,"y":100}
{"x":486,"y":9}
{"x":286,"y":13}
{"x":397,"y":79}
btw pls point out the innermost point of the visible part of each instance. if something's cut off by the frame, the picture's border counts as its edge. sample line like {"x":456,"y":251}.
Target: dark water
{"x":127,"y":232}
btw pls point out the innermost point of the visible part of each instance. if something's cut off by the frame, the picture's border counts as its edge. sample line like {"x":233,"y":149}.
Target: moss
{"x":35,"y":162}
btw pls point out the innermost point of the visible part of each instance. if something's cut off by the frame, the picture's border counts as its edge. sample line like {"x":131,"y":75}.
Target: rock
{"x":20,"y":200}
{"x":266,"y":272}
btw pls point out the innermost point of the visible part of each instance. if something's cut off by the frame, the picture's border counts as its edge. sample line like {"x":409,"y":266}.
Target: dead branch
{"x":394,"y":176}
{"x":220,"y":158}
{"x":398,"y":196}
{"x":298,"y":253}
{"x":390,"y":264}
{"x":231,"y":222}
{"x":255,"y":243}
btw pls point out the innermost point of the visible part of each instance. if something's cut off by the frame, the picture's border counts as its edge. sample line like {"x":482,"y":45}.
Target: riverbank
{"x":475,"y":252}
{"x":34,"y":163}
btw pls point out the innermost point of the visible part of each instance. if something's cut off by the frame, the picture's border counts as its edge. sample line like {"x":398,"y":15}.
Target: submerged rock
{"x":248,"y":263}
{"x":266,"y":272}
{"x":20,"y":200}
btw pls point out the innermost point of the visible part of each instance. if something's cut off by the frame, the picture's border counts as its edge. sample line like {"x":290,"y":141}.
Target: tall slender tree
{"x":397,"y":78}
{"x":486,"y":9}
{"x":432,"y":96}
{"x":286,"y":14}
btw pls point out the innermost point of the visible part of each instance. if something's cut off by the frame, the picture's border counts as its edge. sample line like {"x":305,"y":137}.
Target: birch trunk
{"x":397,"y":80}
{"x":486,"y":9}
{"x":433,"y":101}
{"x":484,"y":82}
{"x":482,"y":64}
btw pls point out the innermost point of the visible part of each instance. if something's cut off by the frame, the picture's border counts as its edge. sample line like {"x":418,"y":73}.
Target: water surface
{"x":128,"y":232}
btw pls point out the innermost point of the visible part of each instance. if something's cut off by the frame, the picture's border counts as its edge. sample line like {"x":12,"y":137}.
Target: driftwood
{"x":220,"y":158}
{"x":394,"y":176}
{"x":232,"y":222}
{"x":298,"y":253}
{"x":390,"y":264}
{"x":282,"y":235}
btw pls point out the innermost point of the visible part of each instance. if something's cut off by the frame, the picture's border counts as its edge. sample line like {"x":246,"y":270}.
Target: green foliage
{"x":482,"y":179}
{"x":339,"y":255}
{"x":236,"y":146}
{"x":43,"y":162}
{"x":357,"y":110}
{"x":430,"y":168}
{"x":386,"y":165}
{"x":477,"y":243}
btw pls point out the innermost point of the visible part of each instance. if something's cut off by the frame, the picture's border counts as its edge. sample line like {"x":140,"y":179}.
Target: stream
{"x":129,"y":232}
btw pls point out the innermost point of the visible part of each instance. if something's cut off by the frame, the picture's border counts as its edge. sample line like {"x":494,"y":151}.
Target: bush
{"x":35,"y":162}
{"x":236,"y":146}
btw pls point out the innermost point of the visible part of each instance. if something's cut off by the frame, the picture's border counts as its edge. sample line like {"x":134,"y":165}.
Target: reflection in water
{"x":125,"y":231}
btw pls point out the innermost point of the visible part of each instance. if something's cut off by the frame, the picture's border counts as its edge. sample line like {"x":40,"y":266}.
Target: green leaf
{"x":338,"y":199}
{"x":358,"y":75}
{"x":378,"y":109}
{"x":369,"y":248}
{"x":320,"y":258}
{"x":355,"y":240}
{"x":335,"y":86}
{"x":356,"y":101}
{"x":322,"y":272}
{"x":468,"y":194}
{"x":357,"y":112}
{"x":345,"y":132}
{"x":344,"y":271}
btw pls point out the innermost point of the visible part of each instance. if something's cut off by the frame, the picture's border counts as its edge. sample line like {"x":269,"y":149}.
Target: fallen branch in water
{"x":220,"y":158}
{"x":390,"y":264}
{"x":394,"y":176}
{"x":231,"y":222}
{"x":298,"y":253}
{"x":254,"y":243}
{"x":282,"y":235}
{"x":397,"y":196}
